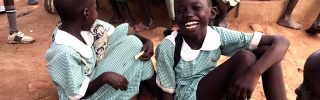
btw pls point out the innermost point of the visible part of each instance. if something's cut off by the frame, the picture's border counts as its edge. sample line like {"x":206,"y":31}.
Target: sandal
{"x":312,"y":31}
{"x":48,"y":5}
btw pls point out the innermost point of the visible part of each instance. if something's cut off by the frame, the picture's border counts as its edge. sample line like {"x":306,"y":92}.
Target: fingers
{"x":147,"y":55}
{"x":125,"y":86}
{"x":249,"y":93}
{"x":126,"y":81}
{"x":121,"y":87}
{"x":237,"y":93}
{"x":243,"y":95}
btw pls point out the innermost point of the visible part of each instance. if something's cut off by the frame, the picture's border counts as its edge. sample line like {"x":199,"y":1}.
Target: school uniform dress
{"x":195,"y":64}
{"x":66,"y":67}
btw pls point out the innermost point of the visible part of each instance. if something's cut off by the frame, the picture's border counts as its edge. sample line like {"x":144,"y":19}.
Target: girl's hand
{"x":243,"y":87}
{"x":116,"y":81}
{"x":148,"y":51}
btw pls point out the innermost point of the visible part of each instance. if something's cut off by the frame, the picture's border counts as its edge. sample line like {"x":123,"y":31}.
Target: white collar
{"x":210,"y":43}
{"x":65,"y":38}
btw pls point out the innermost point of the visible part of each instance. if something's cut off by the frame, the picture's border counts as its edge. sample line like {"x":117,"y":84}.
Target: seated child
{"x":187,"y":59}
{"x":310,"y":89}
{"x":72,"y":58}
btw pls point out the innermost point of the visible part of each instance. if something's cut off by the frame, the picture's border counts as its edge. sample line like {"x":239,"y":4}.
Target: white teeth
{"x":192,"y":26}
{"x":191,"y":23}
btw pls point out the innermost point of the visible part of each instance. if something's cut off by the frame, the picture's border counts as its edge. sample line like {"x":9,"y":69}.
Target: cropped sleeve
{"x":165,"y":76}
{"x":234,"y":41}
{"x":66,"y":72}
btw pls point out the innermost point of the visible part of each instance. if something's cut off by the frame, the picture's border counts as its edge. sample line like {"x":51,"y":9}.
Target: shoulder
{"x":61,"y":52}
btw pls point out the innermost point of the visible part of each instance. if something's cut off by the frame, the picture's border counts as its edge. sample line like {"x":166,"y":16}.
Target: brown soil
{"x":23,"y":69}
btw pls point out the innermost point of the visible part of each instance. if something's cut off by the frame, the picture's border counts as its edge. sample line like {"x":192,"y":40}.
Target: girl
{"x":72,"y":60}
{"x":187,"y":59}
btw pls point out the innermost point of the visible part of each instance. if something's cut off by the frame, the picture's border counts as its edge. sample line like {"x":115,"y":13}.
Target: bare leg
{"x":273,"y":83}
{"x":149,"y":90}
{"x":116,"y":17}
{"x":315,"y":27}
{"x":230,"y":70}
{"x":285,"y":19}
{"x":147,"y":12}
{"x":215,"y":84}
{"x":129,"y":17}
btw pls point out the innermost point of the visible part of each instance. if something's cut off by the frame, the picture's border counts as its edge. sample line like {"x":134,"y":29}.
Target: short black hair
{"x":70,"y":9}
{"x":209,"y":2}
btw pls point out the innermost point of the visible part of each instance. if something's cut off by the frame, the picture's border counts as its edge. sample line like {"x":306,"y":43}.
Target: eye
{"x":181,"y":10}
{"x":197,"y":7}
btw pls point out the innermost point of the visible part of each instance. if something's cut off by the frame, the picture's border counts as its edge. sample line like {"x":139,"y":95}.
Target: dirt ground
{"x":23,"y":69}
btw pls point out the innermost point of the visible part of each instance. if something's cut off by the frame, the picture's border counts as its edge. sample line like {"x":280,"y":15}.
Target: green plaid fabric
{"x":184,"y":78}
{"x":65,"y":66}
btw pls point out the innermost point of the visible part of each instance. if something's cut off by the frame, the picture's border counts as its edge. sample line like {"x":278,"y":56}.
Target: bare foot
{"x":116,"y":19}
{"x":290,"y":24}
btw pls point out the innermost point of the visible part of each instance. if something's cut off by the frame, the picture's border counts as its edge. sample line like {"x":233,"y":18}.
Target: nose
{"x":189,"y":13}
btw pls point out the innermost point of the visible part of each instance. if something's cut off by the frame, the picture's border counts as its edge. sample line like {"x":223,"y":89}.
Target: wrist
{"x":254,"y":72}
{"x":103,"y":77}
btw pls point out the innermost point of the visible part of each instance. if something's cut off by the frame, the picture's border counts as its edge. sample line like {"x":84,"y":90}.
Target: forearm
{"x":274,"y":54}
{"x":167,"y":96}
{"x":94,"y":86}
{"x":143,"y":39}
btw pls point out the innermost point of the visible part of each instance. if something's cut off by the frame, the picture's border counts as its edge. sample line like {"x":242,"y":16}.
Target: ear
{"x":85,"y":14}
{"x":213,"y":12}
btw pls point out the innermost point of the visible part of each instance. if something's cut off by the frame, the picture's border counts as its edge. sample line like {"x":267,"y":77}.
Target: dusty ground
{"x":23,"y":66}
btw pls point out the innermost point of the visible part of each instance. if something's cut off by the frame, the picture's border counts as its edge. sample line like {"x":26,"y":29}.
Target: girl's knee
{"x":246,"y":58}
{"x":260,"y":51}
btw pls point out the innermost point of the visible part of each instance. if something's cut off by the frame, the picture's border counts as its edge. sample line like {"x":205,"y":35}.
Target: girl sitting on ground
{"x":72,"y":58}
{"x":187,"y":59}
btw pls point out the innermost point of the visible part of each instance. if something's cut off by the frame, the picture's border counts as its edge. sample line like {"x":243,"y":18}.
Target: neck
{"x":72,"y":28}
{"x":195,"y":41}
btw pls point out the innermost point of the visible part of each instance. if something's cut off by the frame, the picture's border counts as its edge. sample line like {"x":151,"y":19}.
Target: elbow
{"x":285,"y":42}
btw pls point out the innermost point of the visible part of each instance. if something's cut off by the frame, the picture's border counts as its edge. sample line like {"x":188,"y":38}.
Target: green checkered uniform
{"x":65,"y":66}
{"x":184,"y":78}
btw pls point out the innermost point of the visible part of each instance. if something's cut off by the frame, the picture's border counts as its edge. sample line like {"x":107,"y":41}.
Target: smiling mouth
{"x":192,"y":24}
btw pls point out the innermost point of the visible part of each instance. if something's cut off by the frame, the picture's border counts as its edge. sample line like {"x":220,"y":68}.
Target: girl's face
{"x":192,"y":16}
{"x":90,"y":15}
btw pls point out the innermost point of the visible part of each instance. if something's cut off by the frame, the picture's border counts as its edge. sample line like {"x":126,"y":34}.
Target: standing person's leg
{"x":315,"y":27}
{"x":285,"y":19}
{"x":170,"y":7}
{"x":273,"y":83}
{"x":129,"y":17}
{"x":116,"y":17}
{"x":15,"y":36}
{"x":147,"y":13}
